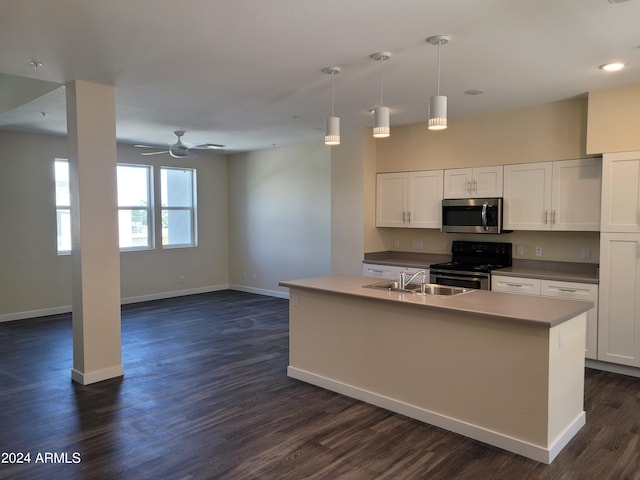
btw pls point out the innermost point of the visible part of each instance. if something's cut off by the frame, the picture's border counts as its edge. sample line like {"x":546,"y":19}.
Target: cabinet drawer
{"x":522,"y":285}
{"x":570,"y":290}
{"x":381,"y":271}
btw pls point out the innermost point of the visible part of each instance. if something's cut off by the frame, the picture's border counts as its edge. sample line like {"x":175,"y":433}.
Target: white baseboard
{"x":505,"y":442}
{"x":8,"y":317}
{"x":260,"y":291}
{"x":613,"y":367}
{"x":176,"y":293}
{"x":87,"y":378}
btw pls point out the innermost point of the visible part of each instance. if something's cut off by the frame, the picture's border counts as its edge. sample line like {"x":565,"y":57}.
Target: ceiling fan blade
{"x":208,"y":146}
{"x":145,"y":146}
{"x":155,"y":153}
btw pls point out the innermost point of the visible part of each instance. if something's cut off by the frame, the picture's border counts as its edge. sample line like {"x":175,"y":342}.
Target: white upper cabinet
{"x":424,"y":199}
{"x":409,"y":199}
{"x":575,"y":197}
{"x":527,"y":196}
{"x":391,"y":199}
{"x":621,"y":192}
{"x":563,"y":195}
{"x":479,"y":182}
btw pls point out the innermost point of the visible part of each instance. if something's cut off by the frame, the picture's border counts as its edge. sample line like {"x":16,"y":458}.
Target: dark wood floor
{"x":206,"y":396}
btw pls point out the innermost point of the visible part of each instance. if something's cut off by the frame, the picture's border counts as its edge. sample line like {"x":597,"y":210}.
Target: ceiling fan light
{"x":437,"y":113}
{"x":332,"y":131}
{"x":381,"y":122}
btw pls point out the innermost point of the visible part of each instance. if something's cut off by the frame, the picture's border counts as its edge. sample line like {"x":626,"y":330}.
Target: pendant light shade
{"x":438,"y":103}
{"x":381,"y":122}
{"x":332,"y":128}
{"x":332,"y":131}
{"x":437,"y":112}
{"x":381,"y":113}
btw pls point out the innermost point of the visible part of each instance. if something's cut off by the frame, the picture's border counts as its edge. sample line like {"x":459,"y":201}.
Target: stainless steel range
{"x":471,"y":264}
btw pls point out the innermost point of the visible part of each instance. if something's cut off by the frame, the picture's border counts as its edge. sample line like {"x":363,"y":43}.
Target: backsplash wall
{"x":556,"y":246}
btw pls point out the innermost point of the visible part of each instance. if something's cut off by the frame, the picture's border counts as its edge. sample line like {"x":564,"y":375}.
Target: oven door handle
{"x":484,"y":215}
{"x":456,"y":277}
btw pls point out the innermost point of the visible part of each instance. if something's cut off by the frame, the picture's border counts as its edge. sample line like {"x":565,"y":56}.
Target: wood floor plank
{"x":206,"y":396}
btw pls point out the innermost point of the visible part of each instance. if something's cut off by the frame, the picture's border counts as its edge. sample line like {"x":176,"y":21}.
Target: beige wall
{"x":279,"y":216}
{"x":553,"y":131}
{"x":34,"y":278}
{"x":614,"y":120}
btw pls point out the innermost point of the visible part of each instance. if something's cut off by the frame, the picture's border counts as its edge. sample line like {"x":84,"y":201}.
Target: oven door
{"x":458,"y":279}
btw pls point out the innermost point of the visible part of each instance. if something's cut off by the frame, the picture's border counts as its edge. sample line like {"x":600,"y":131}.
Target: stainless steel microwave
{"x":472,"y":215}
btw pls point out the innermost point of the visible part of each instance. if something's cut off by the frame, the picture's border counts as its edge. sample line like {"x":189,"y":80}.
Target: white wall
{"x":279,"y":216}
{"x":35,"y":280}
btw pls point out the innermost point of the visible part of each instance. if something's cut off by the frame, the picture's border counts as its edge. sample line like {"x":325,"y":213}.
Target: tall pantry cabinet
{"x":619,"y":305}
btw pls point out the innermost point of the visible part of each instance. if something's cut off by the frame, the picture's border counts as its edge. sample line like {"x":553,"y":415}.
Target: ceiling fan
{"x":181,"y":150}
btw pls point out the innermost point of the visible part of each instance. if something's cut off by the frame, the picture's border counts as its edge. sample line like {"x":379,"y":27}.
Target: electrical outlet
{"x":294,"y":300}
{"x":538,"y":251}
{"x":519,"y":250}
{"x":396,"y":243}
{"x":561,"y":339}
{"x":586,"y":253}
{"x":417,"y":244}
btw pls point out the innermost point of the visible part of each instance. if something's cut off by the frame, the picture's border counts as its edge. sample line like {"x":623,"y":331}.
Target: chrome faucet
{"x":403,"y":278}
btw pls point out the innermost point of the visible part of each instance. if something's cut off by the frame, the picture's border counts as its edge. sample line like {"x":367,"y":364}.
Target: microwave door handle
{"x":484,"y":216}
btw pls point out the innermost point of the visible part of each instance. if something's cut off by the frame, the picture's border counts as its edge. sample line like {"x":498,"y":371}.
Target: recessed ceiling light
{"x":475,"y":91}
{"x":612,"y":67}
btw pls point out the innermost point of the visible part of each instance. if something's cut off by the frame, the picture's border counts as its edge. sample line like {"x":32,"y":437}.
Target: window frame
{"x":192,"y":209}
{"x":62,"y":208}
{"x":150,"y":209}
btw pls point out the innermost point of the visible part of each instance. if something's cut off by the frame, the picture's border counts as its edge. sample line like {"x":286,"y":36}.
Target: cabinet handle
{"x":568,"y":290}
{"x":514,"y":285}
{"x":409,"y":217}
{"x":546,"y":217}
{"x":404,"y":216}
{"x":553,"y":216}
{"x":475,"y":185}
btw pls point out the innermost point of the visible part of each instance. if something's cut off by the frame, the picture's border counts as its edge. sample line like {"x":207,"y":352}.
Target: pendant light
{"x":381,"y":113}
{"x":438,"y":103}
{"x":332,"y":130}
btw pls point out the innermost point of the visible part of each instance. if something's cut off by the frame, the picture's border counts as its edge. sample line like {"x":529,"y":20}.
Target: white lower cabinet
{"x":619,"y":315}
{"x":560,"y":289}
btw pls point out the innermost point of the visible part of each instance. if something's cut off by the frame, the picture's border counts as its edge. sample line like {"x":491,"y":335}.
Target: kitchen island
{"x":507,"y":370}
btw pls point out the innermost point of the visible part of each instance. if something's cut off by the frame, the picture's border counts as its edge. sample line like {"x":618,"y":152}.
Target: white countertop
{"x":545,"y":311}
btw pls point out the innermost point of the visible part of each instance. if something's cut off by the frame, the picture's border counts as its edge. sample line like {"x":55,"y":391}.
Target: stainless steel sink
{"x":429,"y":288}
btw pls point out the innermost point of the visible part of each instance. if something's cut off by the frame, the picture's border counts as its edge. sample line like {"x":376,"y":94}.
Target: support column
{"x":91,"y":134}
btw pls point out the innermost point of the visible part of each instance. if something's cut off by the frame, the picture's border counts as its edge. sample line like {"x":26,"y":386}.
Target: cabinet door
{"x":621,"y":192}
{"x":578,"y":291}
{"x":391,"y":199}
{"x":487,"y":181}
{"x":619,"y":305}
{"x":425,"y":199}
{"x":457,"y":183}
{"x":576,"y":194}
{"x":527,"y":196}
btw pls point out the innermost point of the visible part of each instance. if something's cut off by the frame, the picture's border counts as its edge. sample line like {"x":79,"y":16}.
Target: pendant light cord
{"x":332,"y":73}
{"x":381,"y":79}
{"x":438,"y":89}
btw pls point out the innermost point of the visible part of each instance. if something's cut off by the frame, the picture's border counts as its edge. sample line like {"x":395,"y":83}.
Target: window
{"x":177,"y":187}
{"x":63,"y":206}
{"x":135,"y":209}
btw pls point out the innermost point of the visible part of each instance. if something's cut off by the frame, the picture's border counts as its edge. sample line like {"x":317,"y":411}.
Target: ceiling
{"x":248,"y":73}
